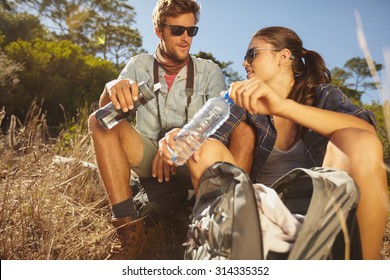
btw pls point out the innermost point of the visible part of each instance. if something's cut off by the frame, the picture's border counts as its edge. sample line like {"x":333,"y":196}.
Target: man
{"x":183,"y":92}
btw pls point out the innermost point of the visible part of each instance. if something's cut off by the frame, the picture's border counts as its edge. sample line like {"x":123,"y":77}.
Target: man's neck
{"x":169,"y":65}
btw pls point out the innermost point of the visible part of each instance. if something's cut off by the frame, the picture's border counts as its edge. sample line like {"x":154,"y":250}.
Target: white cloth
{"x":279,"y":227}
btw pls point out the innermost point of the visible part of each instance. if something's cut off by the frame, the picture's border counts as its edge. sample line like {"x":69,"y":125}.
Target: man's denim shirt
{"x":208,"y":82}
{"x":329,"y":97}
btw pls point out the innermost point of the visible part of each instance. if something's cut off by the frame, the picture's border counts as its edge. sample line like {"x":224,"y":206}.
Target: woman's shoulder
{"x":326,"y":89}
{"x":329,"y":93}
{"x":330,"y":97}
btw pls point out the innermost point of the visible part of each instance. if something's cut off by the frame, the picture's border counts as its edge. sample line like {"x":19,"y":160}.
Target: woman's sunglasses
{"x":178,"y":30}
{"x":252,"y":53}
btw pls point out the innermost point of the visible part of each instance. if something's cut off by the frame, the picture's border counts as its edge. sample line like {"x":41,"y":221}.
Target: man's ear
{"x":158,"y":32}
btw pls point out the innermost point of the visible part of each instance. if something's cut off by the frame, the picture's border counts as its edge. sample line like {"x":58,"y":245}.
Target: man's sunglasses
{"x":252,"y":53}
{"x":178,"y":30}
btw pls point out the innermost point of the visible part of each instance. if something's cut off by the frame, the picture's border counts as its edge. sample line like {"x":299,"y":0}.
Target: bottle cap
{"x":228,"y":100}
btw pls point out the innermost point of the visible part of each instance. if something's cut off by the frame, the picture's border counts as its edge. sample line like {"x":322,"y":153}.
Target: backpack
{"x":225,"y":221}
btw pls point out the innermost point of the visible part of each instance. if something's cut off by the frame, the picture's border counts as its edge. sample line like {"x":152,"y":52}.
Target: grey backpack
{"x":225,"y":221}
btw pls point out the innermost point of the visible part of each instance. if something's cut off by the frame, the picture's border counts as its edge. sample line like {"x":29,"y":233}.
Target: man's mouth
{"x":183,"y":46}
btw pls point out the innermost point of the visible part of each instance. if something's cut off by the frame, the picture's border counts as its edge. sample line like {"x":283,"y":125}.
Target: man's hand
{"x":122,"y":93}
{"x":162,"y":164}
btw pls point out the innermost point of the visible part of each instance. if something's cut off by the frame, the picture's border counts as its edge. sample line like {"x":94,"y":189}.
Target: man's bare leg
{"x":242,"y":146}
{"x":115,"y":151}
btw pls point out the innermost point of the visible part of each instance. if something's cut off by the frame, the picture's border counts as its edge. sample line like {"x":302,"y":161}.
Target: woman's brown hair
{"x":308,"y":66}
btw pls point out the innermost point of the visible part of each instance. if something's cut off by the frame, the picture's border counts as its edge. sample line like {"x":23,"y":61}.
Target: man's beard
{"x":174,"y":57}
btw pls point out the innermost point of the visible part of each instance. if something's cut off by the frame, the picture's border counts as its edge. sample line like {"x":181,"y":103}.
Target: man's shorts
{"x":144,"y":169}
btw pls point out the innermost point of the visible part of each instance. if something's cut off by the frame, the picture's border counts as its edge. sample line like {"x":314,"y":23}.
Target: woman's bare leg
{"x":360,"y":154}
{"x":212,"y":151}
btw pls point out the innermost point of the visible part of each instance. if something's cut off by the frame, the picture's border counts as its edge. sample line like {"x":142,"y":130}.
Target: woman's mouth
{"x":249,"y":73}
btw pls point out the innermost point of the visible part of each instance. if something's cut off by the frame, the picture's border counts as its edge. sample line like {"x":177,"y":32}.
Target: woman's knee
{"x":210,"y":152}
{"x":367,"y":151}
{"x":354,"y":149}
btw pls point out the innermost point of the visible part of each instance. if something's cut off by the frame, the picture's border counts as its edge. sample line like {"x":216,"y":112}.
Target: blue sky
{"x":327,"y":26}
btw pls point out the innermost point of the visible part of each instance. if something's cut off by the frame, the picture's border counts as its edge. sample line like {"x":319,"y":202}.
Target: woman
{"x":300,"y":120}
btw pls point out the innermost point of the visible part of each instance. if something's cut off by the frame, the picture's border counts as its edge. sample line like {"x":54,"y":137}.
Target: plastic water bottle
{"x":205,"y":122}
{"x":108,"y":116}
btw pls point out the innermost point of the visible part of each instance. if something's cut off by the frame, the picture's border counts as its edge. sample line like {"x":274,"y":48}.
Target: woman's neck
{"x":282,"y":85}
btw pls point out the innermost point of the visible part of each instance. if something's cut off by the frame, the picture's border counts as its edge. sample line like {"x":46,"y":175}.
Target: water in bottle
{"x":205,"y":122}
{"x":108,"y":116}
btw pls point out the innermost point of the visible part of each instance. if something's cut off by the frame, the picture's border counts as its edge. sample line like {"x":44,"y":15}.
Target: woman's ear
{"x":285,"y":56}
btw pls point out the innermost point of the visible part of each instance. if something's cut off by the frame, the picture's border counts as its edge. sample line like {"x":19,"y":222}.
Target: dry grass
{"x":385,"y":251}
{"x":49,"y":210}
{"x":57,"y":210}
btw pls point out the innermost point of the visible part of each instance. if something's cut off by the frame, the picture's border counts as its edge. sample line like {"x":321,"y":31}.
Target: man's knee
{"x":242,"y":145}
{"x":243,"y":133}
{"x":96,"y":130}
{"x":93,"y":123}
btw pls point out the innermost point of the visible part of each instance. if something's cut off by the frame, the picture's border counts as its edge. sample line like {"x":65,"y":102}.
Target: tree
{"x":102,"y":27}
{"x":353,"y":78}
{"x":9,"y":72}
{"x":7,"y":5}
{"x":60,"y":73}
{"x":20,"y":27}
{"x":339,"y":79}
{"x":230,"y":75}
{"x":360,"y":72}
{"x":114,"y":38}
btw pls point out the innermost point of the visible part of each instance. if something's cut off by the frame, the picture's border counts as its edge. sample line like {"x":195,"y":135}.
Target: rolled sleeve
{"x":237,"y":115}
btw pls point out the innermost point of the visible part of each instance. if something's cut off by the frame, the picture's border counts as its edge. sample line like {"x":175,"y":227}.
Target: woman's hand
{"x":255,"y":96}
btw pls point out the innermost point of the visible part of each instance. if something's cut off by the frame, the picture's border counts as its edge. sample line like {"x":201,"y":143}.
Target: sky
{"x":327,"y":27}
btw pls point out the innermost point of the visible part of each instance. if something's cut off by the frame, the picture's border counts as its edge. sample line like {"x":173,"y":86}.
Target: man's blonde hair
{"x":174,"y":8}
